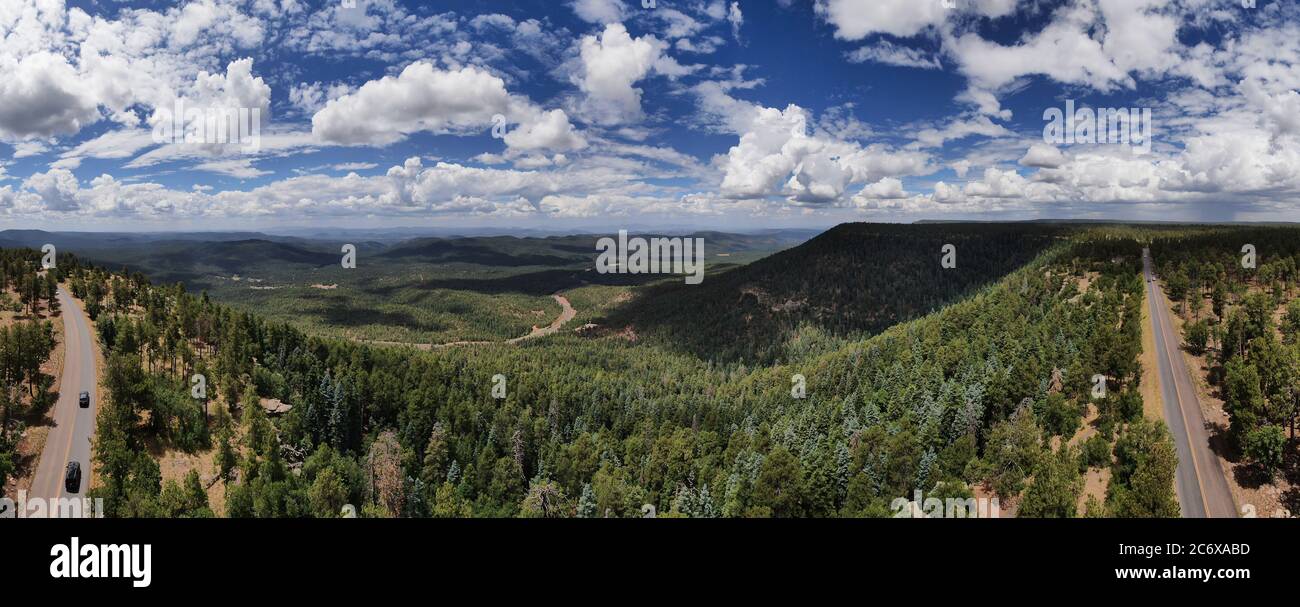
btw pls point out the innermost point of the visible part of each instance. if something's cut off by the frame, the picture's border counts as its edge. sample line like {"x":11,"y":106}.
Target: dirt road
{"x":566,"y":314}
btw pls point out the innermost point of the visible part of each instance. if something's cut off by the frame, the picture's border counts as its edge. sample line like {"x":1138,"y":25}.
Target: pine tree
{"x":339,"y":419}
{"x":587,"y":502}
{"x":433,"y":472}
{"x":779,"y":491}
{"x":1054,"y":491}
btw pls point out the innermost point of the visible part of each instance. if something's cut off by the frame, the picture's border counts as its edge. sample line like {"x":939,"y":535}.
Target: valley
{"x":419,"y":290}
{"x":960,"y":382}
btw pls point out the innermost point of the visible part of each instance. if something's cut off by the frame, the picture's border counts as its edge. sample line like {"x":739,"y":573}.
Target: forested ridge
{"x":850,"y":282}
{"x":972,"y":395}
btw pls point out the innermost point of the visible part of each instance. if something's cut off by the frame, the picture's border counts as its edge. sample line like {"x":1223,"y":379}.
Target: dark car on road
{"x":72,"y":478}
{"x":84,"y":400}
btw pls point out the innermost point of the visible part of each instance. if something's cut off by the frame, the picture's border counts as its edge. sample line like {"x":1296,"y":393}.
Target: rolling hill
{"x":420,"y":290}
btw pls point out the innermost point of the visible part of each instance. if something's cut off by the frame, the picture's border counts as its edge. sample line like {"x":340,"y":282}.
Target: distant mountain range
{"x":35,"y":238}
{"x":199,"y":258}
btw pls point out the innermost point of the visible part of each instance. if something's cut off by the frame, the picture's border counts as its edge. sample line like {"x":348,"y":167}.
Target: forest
{"x":983,"y":394}
{"x":27,"y":301}
{"x":851,"y":282}
{"x":1235,"y":289}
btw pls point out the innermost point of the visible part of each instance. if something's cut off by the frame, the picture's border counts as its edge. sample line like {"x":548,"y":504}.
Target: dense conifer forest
{"x":982,"y":396}
{"x":853,"y":281}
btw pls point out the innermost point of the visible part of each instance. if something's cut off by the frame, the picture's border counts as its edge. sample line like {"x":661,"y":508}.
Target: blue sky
{"x":609,"y":114}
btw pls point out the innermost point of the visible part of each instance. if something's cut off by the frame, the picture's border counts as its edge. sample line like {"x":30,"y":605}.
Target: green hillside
{"x":850,"y":282}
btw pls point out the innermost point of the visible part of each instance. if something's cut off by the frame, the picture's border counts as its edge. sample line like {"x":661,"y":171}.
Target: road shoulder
{"x":1153,"y":404}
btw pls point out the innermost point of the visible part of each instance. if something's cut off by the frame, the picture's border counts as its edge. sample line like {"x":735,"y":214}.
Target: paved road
{"x":69,"y":439}
{"x":1202,"y":489}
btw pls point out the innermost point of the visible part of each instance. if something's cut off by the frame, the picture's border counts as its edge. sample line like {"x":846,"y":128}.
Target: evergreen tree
{"x":1054,"y":491}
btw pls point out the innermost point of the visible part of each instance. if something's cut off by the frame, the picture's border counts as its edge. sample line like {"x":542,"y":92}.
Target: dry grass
{"x":1083,"y":283}
{"x":1007,"y":508}
{"x":175,"y":465}
{"x":1153,"y":404}
{"x":1096,"y":481}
